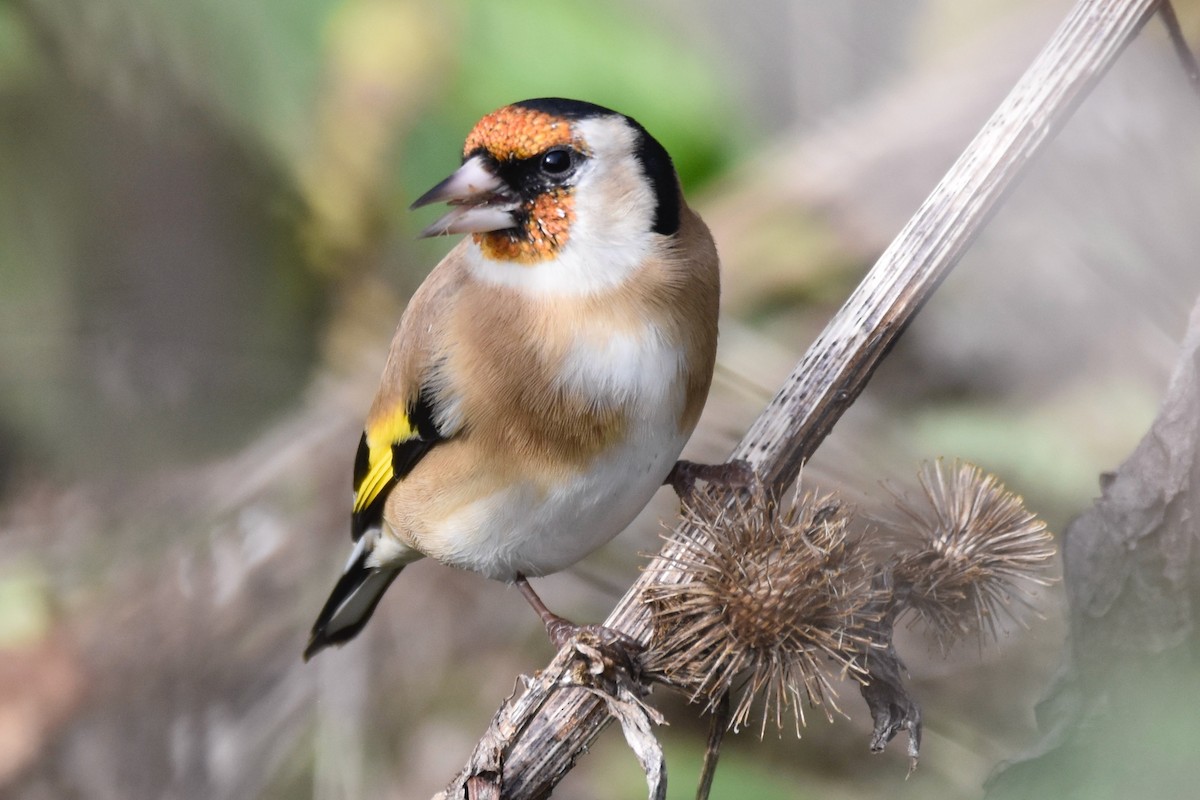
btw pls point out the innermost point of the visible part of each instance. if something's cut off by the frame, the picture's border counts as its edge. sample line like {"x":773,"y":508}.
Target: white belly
{"x":532,"y":530}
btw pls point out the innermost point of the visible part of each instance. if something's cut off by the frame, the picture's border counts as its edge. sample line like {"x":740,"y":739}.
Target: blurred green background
{"x":204,"y":247}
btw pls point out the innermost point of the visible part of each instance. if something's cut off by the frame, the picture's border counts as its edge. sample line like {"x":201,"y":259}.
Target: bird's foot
{"x":562,"y":631}
{"x":736,"y":475}
{"x":605,"y":648}
{"x":624,"y":649}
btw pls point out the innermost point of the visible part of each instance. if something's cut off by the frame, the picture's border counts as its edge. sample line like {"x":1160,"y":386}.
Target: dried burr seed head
{"x":758,"y":604}
{"x":972,"y":552}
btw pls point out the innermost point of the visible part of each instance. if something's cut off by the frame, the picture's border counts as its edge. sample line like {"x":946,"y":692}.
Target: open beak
{"x":479,"y":201}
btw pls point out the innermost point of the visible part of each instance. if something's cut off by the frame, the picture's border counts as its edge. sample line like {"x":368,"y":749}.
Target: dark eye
{"x":557,"y":162}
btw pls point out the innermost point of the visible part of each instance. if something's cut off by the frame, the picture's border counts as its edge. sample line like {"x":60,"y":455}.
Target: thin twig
{"x":838,"y":364}
{"x":1186,"y":57}
{"x":718,"y":722}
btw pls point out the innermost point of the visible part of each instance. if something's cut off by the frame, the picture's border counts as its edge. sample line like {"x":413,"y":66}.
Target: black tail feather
{"x":350,"y":604}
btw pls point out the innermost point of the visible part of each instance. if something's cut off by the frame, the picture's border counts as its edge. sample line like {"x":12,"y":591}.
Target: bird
{"x":545,"y":376}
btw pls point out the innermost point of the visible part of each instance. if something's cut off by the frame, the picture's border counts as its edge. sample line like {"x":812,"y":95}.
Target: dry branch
{"x":1124,"y":694}
{"x":834,"y":371}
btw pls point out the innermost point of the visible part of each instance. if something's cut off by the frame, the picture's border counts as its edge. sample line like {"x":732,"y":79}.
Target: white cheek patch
{"x":580,"y":269}
{"x":642,"y":369}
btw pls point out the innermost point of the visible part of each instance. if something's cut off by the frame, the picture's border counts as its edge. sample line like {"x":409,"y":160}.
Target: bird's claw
{"x":562,"y":631}
{"x":618,"y":647}
{"x":736,"y":475}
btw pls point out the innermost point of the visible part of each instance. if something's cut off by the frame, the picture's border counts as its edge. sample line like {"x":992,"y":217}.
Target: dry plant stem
{"x":1186,"y":57}
{"x":836,"y":368}
{"x":718,"y":722}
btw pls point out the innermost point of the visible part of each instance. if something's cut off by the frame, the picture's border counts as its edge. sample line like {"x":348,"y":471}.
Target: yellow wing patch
{"x":380,"y":437}
{"x":393,"y":443}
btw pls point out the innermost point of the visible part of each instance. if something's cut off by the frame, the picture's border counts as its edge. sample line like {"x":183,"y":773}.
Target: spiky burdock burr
{"x":768,"y":600}
{"x":760,"y":604}
{"x":969,"y":551}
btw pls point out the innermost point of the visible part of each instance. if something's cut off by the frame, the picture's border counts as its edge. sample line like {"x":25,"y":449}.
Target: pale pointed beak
{"x":479,"y":201}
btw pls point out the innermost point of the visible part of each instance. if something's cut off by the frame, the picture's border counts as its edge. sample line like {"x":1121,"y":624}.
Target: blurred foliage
{"x":1142,"y":745}
{"x":538,"y":48}
{"x":1055,"y":442}
{"x":24,"y":609}
{"x":742,"y":772}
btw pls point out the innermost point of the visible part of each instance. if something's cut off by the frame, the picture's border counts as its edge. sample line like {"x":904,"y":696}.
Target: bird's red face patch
{"x":515,"y":133}
{"x":547,"y":228}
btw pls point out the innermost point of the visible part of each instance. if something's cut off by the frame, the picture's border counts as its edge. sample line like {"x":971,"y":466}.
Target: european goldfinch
{"x":545,"y":377}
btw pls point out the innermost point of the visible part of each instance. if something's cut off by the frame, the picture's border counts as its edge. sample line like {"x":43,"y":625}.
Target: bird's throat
{"x":543,"y":232}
